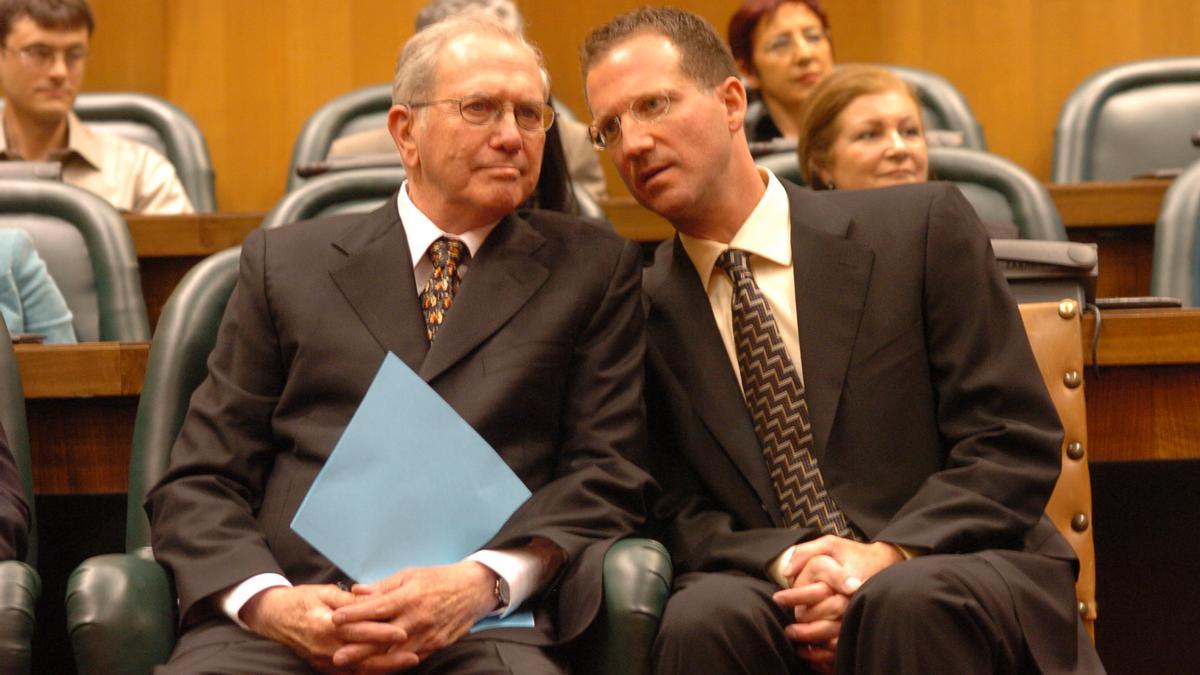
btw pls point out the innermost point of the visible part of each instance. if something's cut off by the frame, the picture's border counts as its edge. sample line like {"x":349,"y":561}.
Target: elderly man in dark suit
{"x":853,"y":439}
{"x":529,"y":326}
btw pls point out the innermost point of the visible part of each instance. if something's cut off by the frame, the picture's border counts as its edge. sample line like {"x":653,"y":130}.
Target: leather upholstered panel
{"x":1055,"y":333}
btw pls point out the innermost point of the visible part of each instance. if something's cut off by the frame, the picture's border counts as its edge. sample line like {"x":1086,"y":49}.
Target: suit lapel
{"x":376,"y":279}
{"x":499,"y":281}
{"x":832,"y":277}
{"x":681,"y":323}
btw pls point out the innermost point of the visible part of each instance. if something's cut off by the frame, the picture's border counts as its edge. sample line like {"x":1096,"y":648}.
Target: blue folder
{"x":409,"y":484}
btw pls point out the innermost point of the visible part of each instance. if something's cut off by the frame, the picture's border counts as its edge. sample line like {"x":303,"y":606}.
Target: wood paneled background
{"x":250,"y":73}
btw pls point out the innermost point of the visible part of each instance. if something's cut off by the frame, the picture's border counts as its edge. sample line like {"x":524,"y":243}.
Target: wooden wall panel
{"x":252,"y":72}
{"x":127,"y":50}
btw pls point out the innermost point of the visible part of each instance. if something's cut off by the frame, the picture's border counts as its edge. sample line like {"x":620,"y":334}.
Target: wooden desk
{"x":1119,"y":217}
{"x":81,"y":401}
{"x":1144,"y":402}
{"x":168,"y":246}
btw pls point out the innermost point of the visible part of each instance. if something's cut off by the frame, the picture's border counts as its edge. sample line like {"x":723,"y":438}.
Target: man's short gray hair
{"x":440,"y":10}
{"x":416,"y":69}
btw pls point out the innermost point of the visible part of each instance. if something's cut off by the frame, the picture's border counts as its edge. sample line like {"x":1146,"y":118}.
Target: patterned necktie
{"x":446,"y":254}
{"x":775,"y":396}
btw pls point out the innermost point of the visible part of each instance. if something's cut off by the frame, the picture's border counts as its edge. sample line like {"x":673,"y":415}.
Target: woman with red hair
{"x":783,"y":49}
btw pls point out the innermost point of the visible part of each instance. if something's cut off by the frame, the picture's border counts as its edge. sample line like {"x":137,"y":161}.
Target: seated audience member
{"x":854,"y":442}
{"x":783,"y":50}
{"x":529,"y":325}
{"x":29,"y":298}
{"x":43,"y":55}
{"x":14,"y":512}
{"x":570,"y":136}
{"x":863,"y":129}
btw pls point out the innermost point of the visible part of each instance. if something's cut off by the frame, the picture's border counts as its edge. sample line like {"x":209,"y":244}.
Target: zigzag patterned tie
{"x":775,"y":396}
{"x":438,"y":294}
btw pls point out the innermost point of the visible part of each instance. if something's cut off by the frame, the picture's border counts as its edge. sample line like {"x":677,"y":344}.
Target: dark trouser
{"x":218,"y":646}
{"x":937,"y":614}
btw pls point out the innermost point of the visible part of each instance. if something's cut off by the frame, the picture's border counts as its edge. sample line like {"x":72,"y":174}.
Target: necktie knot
{"x":736,"y":264}
{"x":446,"y":254}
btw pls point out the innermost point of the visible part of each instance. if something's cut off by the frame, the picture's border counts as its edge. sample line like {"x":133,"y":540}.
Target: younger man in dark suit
{"x":529,"y":327}
{"x":854,"y":440}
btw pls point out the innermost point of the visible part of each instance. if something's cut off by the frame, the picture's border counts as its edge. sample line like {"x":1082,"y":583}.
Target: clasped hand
{"x":824,"y":574}
{"x":386,"y":626}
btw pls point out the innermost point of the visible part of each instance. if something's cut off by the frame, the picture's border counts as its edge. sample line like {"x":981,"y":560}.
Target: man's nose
{"x":505,"y":133}
{"x":635,"y":138}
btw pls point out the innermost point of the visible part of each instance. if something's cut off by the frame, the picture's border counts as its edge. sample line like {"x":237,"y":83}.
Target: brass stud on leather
{"x":1066,"y":309}
{"x":1075,"y":450}
{"x":1072,"y":379}
{"x":1082,"y":607}
{"x":1079,"y":522}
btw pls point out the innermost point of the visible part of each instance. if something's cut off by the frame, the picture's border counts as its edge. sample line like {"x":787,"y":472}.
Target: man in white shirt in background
{"x":43,"y":56}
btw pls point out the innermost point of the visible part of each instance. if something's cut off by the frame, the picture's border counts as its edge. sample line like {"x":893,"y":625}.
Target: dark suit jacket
{"x":932,"y":425}
{"x":14,"y":512}
{"x":542,"y":354}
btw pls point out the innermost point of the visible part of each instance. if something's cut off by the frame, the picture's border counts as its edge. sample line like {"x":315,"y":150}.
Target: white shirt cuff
{"x":232,"y":601}
{"x":775,"y":569}
{"x":519,"y":570}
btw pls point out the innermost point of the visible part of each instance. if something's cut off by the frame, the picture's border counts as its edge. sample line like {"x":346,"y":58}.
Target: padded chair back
{"x":350,"y":113}
{"x":178,"y":362}
{"x":88,"y":250}
{"x":942,"y":105}
{"x":16,"y":430}
{"x":164,"y":127}
{"x":1055,"y":333}
{"x":1176,"y":271}
{"x":1000,"y":191}
{"x":1129,"y":120}
{"x":349,"y":191}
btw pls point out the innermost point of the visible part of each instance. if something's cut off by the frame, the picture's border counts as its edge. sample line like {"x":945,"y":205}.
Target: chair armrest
{"x":637,"y":581}
{"x":20,"y":587}
{"x":121,"y":614}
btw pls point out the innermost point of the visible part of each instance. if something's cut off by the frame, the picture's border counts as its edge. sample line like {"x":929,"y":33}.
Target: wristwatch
{"x":500,"y":592}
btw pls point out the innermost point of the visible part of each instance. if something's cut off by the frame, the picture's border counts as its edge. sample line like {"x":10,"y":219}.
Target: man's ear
{"x":733,"y":94}
{"x":400,"y":123}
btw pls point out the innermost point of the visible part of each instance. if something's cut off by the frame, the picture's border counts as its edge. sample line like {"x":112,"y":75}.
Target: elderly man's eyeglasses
{"x":43,"y":57}
{"x":606,"y":131}
{"x":484,"y":111}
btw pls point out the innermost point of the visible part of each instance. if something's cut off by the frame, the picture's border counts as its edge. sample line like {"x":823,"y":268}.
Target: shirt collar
{"x":422,"y":232}
{"x":81,"y":142}
{"x":766,"y":233}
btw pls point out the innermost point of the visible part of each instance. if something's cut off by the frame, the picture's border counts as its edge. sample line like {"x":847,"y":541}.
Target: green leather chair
{"x":357,"y":190}
{"x":161,"y":125}
{"x":1000,"y":191}
{"x":20,"y":584}
{"x":89,"y":252}
{"x":121,"y":610}
{"x":1129,"y":120}
{"x":1176,"y":270}
{"x":943,"y":108}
